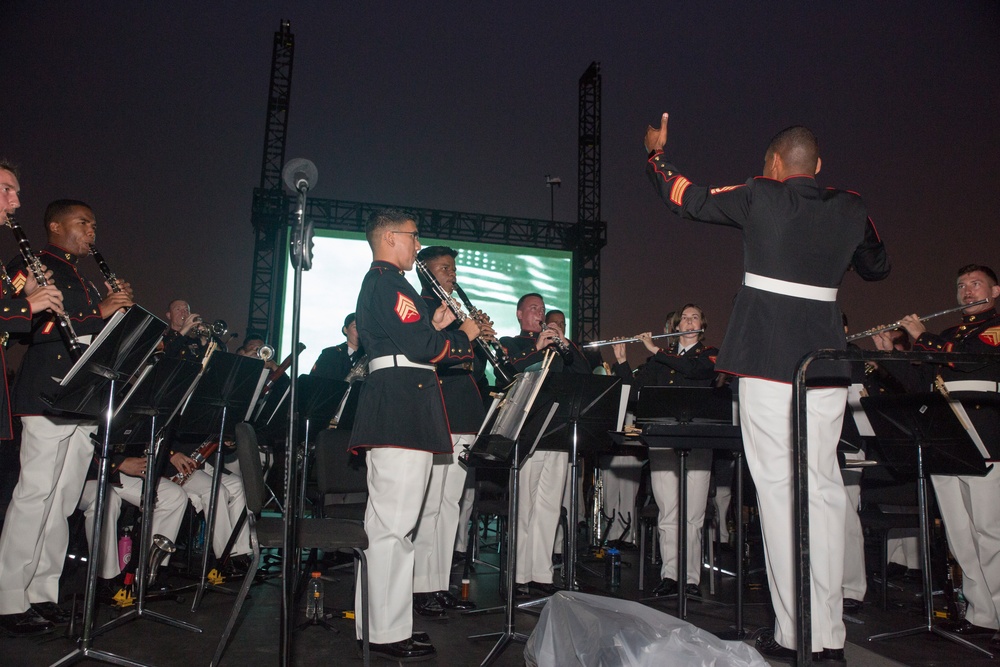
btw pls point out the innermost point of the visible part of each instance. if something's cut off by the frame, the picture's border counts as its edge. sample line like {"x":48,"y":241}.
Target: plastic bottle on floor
{"x":314,"y":598}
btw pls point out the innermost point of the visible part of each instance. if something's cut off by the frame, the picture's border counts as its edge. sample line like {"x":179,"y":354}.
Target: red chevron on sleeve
{"x":406,"y":310}
{"x":727,"y":188}
{"x":19,"y":279}
{"x":677,"y":192}
{"x":991,"y":336}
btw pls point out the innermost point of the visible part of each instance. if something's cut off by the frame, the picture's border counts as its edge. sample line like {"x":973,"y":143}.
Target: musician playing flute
{"x":970,"y":506}
{"x":55,"y":451}
{"x":691,"y":364}
{"x":799,"y":241}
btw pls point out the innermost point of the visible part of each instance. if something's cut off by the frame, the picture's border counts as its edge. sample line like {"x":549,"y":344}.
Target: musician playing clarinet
{"x":433,"y":544}
{"x":55,"y":450}
{"x":401,"y":420}
{"x":690,"y":364}
{"x":970,"y":506}
{"x":799,"y":241}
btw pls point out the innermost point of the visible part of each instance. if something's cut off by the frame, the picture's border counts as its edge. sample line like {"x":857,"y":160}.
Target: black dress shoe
{"x":852,"y":606}
{"x":426,"y":604}
{"x":667,"y":587}
{"x":53,"y":613}
{"x":405,"y":650}
{"x":770,"y":648}
{"x":692,"y":589}
{"x":543,"y":589}
{"x":894,"y":570}
{"x":833,"y":656}
{"x":995,"y":640}
{"x":25,"y":624}
{"x":449,"y":601}
{"x":238,"y":566}
{"x":966,"y":629}
{"x":420,"y":638}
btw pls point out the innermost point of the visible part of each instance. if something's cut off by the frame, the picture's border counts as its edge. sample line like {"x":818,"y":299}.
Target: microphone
{"x":299,"y":174}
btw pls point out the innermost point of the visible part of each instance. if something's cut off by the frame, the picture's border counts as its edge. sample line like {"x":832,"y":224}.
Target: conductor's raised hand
{"x":656,"y":137}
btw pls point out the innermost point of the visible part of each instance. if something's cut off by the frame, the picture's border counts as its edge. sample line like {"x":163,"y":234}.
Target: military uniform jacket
{"x":695,"y":367}
{"x":792,"y":231}
{"x":15,"y":318}
{"x":459,"y":383}
{"x":977,"y":334}
{"x":401,"y":406}
{"x":47,"y":356}
{"x":334,"y":363}
{"x":522,"y":353}
{"x":176,"y":346}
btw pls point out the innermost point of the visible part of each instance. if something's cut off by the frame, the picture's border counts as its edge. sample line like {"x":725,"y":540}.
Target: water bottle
{"x":124,"y":550}
{"x":613,"y":567}
{"x":314,"y":598}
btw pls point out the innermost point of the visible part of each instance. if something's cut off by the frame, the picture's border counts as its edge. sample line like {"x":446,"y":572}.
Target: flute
{"x":895,"y":325}
{"x":35,"y":266}
{"x":612,"y":341}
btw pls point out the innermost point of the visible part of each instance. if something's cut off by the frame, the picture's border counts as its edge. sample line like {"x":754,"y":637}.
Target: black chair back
{"x":248,"y":454}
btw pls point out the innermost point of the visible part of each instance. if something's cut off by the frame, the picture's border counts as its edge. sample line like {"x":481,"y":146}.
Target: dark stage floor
{"x":256,"y":639}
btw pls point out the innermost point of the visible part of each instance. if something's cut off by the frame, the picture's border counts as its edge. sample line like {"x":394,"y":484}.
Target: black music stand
{"x":922,"y":432}
{"x":682,"y":419}
{"x":509,"y":435}
{"x":225,"y":394}
{"x":589,"y":408}
{"x":115,"y":355}
{"x":157,"y":393}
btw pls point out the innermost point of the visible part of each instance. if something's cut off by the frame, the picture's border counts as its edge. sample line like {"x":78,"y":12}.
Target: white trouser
{"x":855,"y":578}
{"x":970,"y":508}
{"x":557,"y":547}
{"x":664,"y":479}
{"x":723,"y":497}
{"x":168,"y":513}
{"x":397,"y":484}
{"x":621,"y":475}
{"x":465,"y":513}
{"x":766,"y":420}
{"x":229,"y":509}
{"x":434,"y":541}
{"x":55,"y":456}
{"x":904,"y":550}
{"x":541,"y":482}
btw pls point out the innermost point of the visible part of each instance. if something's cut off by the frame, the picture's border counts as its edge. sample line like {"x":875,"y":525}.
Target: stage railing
{"x":800,"y":471}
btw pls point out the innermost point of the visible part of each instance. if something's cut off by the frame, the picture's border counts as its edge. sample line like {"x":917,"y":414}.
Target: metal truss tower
{"x":270,"y":207}
{"x":592,"y":232}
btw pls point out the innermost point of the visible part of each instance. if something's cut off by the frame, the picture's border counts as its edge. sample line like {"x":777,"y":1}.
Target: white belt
{"x":787,"y":288}
{"x":392,"y":360}
{"x":971,"y":385}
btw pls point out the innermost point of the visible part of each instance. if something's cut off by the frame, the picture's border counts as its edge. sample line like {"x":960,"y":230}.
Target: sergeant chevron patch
{"x":991,"y":336}
{"x":19,"y":280}
{"x":406,"y":310}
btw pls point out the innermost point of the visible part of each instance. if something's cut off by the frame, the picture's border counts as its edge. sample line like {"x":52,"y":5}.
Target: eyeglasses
{"x":415,"y":235}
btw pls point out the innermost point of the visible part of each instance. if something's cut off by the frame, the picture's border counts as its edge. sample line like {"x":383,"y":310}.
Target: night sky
{"x":155,"y":114}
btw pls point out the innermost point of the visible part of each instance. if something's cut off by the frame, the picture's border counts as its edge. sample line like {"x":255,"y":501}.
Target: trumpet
{"x":491,"y":352}
{"x":635,"y":339}
{"x":217,"y":329}
{"x":265,"y":352}
{"x":897,"y":324}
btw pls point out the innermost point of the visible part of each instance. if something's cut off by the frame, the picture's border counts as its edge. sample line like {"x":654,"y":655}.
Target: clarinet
{"x":453,"y":306}
{"x":501,"y":354}
{"x":35,"y":266}
{"x":109,"y":275}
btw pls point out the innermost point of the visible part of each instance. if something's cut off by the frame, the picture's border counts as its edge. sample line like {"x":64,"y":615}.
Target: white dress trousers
{"x":541,"y":483}
{"x":433,"y":544}
{"x":855,"y":577}
{"x":232,"y":503}
{"x":766,"y":421}
{"x":664,"y":479}
{"x":55,"y":457}
{"x":970,"y":508}
{"x":168,"y":513}
{"x":397,"y":485}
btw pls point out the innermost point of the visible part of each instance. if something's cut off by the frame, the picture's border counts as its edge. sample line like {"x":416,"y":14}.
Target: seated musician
{"x":251,"y":348}
{"x":336,"y":362}
{"x":183,"y":339}
{"x":691,"y":365}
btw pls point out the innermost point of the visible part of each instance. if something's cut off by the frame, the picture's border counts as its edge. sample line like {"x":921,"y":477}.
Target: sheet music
{"x":858,"y":412}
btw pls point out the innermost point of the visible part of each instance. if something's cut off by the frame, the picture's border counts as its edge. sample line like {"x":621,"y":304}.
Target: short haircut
{"x":383,"y":218}
{"x":798,"y":147}
{"x":435,"y":251}
{"x":61,"y":207}
{"x":173,"y":301}
{"x":347,"y":321}
{"x":520,"y":302}
{"x":11,"y":167}
{"x":969,"y":268}
{"x":554,"y":312}
{"x":251,"y":338}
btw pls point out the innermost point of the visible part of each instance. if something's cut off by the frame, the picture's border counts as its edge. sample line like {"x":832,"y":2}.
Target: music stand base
{"x":505,"y":639}
{"x":100,"y":656}
{"x":135,"y":614}
{"x":934,"y":631}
